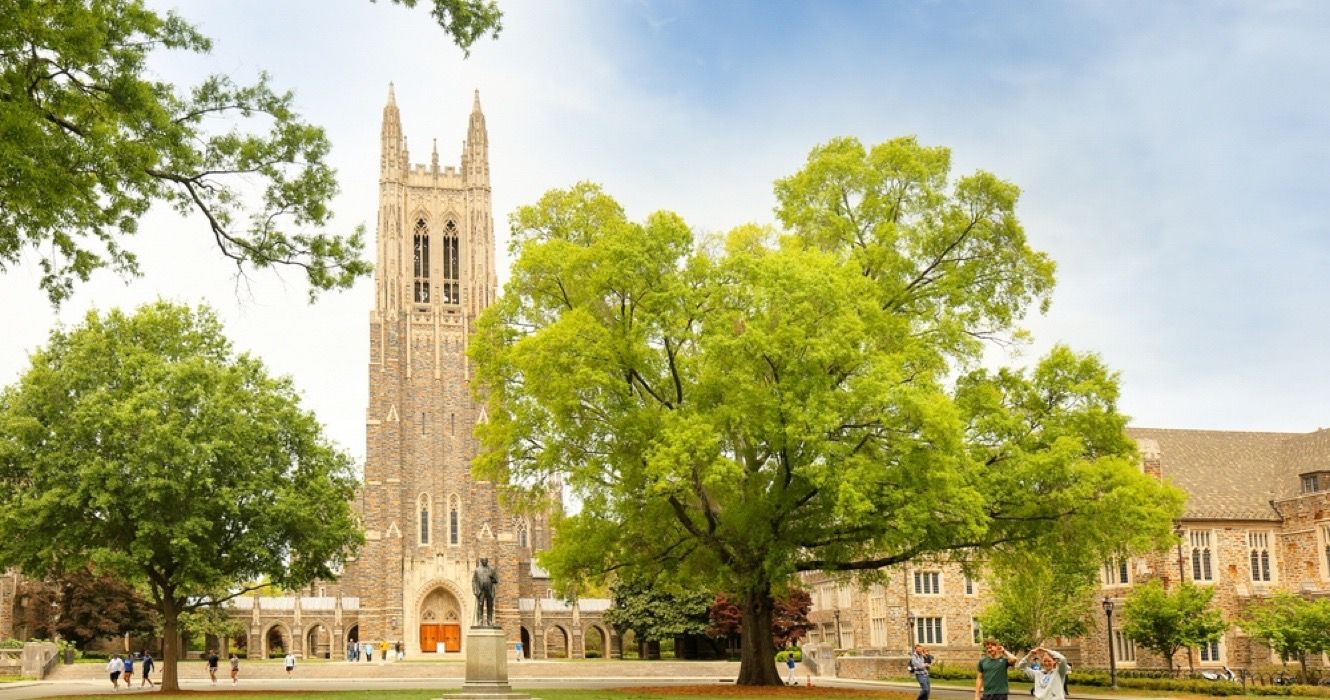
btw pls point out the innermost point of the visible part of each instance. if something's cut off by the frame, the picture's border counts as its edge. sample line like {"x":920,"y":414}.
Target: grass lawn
{"x":664,"y":693}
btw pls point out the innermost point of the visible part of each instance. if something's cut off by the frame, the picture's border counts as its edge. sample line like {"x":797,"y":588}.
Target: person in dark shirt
{"x":991,"y":682}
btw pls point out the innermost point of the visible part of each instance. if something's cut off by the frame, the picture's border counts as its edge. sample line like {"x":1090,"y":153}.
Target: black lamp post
{"x":1112,"y":661}
{"x":909,"y":628}
{"x":1177,"y":530}
{"x":836,"y":615}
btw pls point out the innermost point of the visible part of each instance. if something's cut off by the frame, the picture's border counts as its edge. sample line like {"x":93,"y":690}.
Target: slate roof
{"x":1234,"y":475}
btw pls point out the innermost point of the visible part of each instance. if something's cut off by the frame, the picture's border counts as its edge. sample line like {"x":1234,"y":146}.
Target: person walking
{"x":383,"y":650}
{"x":128,"y":675}
{"x":290,"y":663}
{"x":235,"y":668}
{"x":920,"y":660}
{"x":115,"y":667}
{"x":397,"y":647}
{"x":147,"y":669}
{"x":212,"y":665}
{"x":369,"y":652}
{"x":991,"y":681}
{"x":789,"y":665}
{"x":519,"y":651}
{"x":1048,"y":670}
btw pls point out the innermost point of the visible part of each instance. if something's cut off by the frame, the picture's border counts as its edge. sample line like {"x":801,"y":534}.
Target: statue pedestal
{"x":487,"y":666}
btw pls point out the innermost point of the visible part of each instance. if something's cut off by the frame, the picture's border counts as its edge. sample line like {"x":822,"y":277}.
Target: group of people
{"x":357,"y":650}
{"x":122,"y":669}
{"x":1046,"y":668}
{"x":214,"y":660}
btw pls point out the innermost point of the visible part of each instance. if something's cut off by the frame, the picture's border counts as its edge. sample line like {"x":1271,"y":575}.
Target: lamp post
{"x":835,"y":614}
{"x":1112,"y":660}
{"x":909,"y":628}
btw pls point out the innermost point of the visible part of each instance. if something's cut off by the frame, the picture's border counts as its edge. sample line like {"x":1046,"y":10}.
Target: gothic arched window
{"x":424,"y":518}
{"x":522,"y":539}
{"x":420,"y":255}
{"x":452,"y":266}
{"x":454,"y":520}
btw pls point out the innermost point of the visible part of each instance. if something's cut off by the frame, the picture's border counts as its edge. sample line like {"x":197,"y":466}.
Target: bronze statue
{"x":483,"y":584}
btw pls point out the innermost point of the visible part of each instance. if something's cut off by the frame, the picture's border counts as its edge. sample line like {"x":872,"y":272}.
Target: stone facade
{"x":427,"y":521}
{"x":1257,"y":521}
{"x":8,"y":603}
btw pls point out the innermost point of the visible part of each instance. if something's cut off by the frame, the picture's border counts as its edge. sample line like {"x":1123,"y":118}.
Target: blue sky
{"x":1174,"y":160}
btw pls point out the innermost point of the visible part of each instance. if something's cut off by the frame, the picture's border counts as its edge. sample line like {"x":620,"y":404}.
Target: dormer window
{"x":1313,"y":482}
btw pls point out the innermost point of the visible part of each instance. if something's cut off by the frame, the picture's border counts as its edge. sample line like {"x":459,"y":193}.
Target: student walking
{"x":235,"y":668}
{"x":128,"y":675}
{"x":115,"y":667}
{"x":991,"y":682}
{"x":1048,"y":670}
{"x":147,"y":669}
{"x":920,"y":660}
{"x":789,"y":664}
{"x":290,"y":663}
{"x":212,"y":665}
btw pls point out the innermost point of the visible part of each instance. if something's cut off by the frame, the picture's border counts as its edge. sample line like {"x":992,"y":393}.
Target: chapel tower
{"x":427,"y":521}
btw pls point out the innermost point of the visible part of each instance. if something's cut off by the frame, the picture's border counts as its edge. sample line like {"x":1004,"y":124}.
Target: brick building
{"x":1257,"y":520}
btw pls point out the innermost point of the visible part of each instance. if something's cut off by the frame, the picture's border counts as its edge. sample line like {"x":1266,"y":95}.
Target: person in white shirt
{"x":115,"y":667}
{"x":1050,"y":676}
{"x":290,"y":663}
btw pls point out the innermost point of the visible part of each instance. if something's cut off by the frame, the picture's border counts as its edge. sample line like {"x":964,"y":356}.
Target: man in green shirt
{"x":991,"y":683}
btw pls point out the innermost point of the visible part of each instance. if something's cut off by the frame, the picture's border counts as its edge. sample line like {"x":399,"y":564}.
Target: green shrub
{"x":784,"y":654}
{"x":593,"y":654}
{"x":11,"y":644}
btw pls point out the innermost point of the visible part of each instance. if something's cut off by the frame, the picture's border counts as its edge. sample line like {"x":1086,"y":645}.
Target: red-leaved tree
{"x":789,"y":620}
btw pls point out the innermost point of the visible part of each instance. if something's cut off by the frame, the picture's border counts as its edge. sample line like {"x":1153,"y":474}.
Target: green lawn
{"x":692,"y":693}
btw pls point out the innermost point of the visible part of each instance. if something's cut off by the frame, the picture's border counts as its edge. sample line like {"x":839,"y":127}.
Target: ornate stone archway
{"x":440,"y":619}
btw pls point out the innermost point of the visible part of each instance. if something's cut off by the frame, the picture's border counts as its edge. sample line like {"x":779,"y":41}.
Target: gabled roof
{"x":1232,"y":475}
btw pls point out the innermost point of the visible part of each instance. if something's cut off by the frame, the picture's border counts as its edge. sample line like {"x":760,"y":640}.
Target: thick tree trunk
{"x":170,"y":645}
{"x":757,"y":660}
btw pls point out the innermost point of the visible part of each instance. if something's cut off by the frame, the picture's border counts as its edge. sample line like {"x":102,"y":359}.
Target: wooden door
{"x":429,"y":638}
{"x":451,"y":636}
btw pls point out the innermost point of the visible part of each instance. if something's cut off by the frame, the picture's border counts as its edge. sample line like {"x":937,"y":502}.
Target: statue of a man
{"x":483,"y":584}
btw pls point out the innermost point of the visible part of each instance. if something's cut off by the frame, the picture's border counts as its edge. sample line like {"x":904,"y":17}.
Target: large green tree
{"x":655,"y":611}
{"x":1166,"y":621}
{"x":144,"y":445}
{"x":1293,"y":626}
{"x":737,"y":410}
{"x":90,"y":140}
{"x":1035,"y":598}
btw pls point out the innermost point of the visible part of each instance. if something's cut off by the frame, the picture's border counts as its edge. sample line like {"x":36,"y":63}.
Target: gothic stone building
{"x":1257,"y":520}
{"x":427,"y":521}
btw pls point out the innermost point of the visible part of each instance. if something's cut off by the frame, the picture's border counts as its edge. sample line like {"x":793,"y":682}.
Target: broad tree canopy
{"x":145,"y":445}
{"x":737,"y":410}
{"x":90,"y":140}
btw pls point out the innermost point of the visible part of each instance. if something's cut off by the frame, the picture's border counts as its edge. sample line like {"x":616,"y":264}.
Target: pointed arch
{"x":452,"y":266}
{"x":425,"y":509}
{"x":523,"y":530}
{"x":454,"y":520}
{"x":420,"y":257}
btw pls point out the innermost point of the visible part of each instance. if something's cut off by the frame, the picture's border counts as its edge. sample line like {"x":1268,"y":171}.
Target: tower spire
{"x":475,"y":153}
{"x":390,"y":137}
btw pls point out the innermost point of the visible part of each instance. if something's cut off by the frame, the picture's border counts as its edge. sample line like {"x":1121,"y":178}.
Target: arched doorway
{"x":526,"y":643}
{"x":276,"y":642}
{"x":318,"y":642}
{"x":352,"y":638}
{"x":440,"y":622}
{"x":595,"y":643}
{"x":556,"y":643}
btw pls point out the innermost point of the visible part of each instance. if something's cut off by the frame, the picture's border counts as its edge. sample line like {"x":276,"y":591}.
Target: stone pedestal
{"x":486,"y":651}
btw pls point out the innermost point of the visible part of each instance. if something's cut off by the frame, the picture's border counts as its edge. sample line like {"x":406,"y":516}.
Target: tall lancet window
{"x":454,"y":520}
{"x":424,"y":518}
{"x":452,"y":265}
{"x":420,"y":252}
